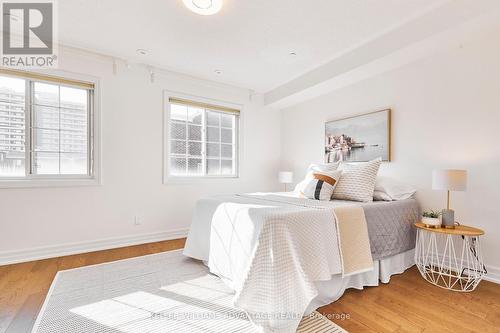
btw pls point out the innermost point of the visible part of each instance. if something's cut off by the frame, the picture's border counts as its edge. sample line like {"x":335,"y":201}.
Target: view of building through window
{"x":58,"y":126}
{"x":202,"y":141}
{"x":12,"y":126}
{"x":60,"y":133}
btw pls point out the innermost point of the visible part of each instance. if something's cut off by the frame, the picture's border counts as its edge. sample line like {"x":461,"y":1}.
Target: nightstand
{"x":450,"y":258}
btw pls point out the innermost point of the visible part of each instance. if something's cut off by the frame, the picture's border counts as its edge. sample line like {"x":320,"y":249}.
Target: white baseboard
{"x":493,"y":274}
{"x":17,"y":256}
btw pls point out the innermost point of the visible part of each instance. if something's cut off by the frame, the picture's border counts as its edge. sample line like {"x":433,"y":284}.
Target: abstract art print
{"x":360,"y":138}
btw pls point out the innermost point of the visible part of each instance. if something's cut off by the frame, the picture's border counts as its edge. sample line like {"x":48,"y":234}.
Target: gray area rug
{"x":164,"y":292}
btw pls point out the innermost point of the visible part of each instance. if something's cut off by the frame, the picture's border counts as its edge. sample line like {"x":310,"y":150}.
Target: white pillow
{"x":321,"y":185}
{"x":357,"y":182}
{"x":328,"y":167}
{"x":381,"y":196}
{"x":394,"y":189}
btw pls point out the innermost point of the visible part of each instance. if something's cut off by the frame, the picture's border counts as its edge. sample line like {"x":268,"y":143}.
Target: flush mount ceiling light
{"x":203,"y":7}
{"x":141,"y":52}
{"x":218,"y":71}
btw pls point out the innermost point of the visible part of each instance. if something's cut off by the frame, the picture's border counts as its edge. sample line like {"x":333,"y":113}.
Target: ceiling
{"x":250,"y":41}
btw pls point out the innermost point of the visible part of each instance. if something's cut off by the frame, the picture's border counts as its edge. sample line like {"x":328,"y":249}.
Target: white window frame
{"x":175,"y":179}
{"x":94,"y":135}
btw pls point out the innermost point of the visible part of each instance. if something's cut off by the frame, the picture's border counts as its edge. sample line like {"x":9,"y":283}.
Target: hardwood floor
{"x":410,"y":304}
{"x":23,"y":286}
{"x":406,"y":304}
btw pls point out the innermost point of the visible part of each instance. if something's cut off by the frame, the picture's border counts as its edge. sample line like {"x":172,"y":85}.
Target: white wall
{"x":132,"y":128}
{"x":446,"y":114}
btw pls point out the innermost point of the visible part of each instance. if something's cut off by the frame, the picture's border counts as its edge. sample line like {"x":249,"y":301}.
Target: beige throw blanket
{"x":354,"y":244}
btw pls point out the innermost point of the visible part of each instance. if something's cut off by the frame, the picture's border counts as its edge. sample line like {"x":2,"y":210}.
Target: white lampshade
{"x":285,"y":177}
{"x":449,"y":180}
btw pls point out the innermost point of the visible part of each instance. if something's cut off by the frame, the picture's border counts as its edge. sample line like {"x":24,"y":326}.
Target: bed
{"x":282,"y":256}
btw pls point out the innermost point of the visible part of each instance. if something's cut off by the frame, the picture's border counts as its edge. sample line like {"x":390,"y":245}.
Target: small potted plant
{"x":431,"y":219}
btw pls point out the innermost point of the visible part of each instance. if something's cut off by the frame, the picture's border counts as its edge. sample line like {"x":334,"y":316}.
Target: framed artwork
{"x":359,"y":139}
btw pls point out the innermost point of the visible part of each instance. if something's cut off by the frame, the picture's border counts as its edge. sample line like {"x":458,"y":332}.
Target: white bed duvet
{"x":271,"y":249}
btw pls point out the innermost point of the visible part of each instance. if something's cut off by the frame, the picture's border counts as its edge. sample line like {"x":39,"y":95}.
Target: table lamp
{"x":449,"y":180}
{"x":285,"y":177}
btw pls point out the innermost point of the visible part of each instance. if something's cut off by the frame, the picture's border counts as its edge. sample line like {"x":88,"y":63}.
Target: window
{"x":46,"y":127}
{"x":203,"y":140}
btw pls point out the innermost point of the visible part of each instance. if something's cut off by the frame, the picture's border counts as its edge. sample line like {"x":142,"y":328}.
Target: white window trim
{"x":68,"y":180}
{"x":170,"y":179}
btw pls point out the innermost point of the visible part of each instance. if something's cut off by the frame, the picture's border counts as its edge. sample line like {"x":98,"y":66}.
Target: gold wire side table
{"x":450,"y":258}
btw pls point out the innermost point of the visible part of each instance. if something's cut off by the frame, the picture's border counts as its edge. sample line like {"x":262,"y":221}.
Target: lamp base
{"x":448,"y":218}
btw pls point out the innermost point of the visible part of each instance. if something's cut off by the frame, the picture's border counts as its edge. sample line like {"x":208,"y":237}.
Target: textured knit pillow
{"x":321,"y":185}
{"x":357,"y":182}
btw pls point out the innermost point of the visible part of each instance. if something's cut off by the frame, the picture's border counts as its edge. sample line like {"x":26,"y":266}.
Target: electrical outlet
{"x":137,"y":220}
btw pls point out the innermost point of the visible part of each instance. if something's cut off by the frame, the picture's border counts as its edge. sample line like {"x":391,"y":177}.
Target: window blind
{"x":203,"y":105}
{"x":47,"y":78}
